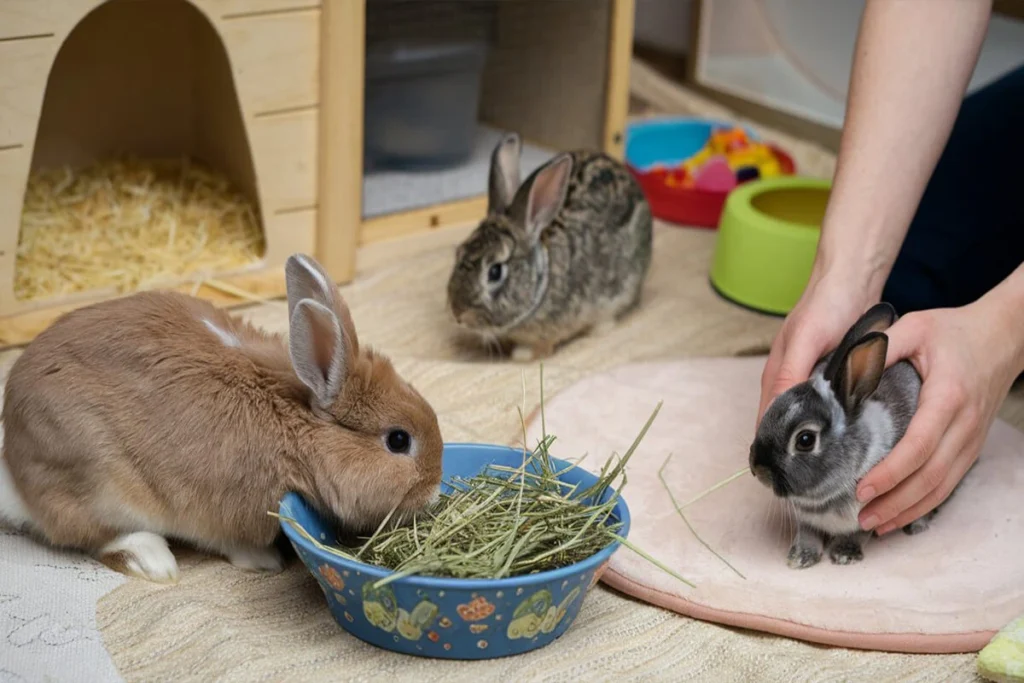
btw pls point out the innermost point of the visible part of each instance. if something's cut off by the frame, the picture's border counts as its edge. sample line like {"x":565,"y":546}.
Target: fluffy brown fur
{"x":159,"y":413}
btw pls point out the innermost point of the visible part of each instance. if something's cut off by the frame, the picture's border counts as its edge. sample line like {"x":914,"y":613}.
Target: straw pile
{"x":129,"y":225}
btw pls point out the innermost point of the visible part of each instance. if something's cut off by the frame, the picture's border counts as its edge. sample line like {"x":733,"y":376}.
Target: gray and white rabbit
{"x":563,"y":253}
{"x":817,"y":440}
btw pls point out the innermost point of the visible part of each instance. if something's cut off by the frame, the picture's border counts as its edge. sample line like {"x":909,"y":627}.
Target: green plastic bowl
{"x":767,"y":239}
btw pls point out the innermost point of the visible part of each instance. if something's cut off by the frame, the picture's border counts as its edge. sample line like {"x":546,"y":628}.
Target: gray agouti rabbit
{"x":562,"y":253}
{"x":817,"y":440}
{"x":158,"y":416}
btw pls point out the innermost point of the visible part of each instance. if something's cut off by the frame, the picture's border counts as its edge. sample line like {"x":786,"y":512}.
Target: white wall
{"x":795,"y":55}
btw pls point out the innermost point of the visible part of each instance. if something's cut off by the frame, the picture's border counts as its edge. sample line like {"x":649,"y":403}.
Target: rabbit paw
{"x":803,"y":556}
{"x":256,"y":559}
{"x":845,"y":551}
{"x":142,"y":554}
{"x":523,"y":353}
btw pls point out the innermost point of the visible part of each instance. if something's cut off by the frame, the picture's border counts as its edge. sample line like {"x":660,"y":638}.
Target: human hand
{"x":828,"y":307}
{"x":967,"y":361}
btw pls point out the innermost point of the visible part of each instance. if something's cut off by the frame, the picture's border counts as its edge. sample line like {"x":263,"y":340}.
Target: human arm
{"x":913,"y":61}
{"x":968,"y":358}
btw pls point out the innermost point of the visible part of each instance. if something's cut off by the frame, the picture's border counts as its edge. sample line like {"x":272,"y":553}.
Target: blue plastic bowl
{"x":669,"y":141}
{"x":451,"y":618}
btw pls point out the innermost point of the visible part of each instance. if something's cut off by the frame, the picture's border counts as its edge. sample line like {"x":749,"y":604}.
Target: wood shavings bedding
{"x":131,"y":224}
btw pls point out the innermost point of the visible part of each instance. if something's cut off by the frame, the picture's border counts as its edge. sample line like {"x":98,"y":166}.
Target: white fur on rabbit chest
{"x":837,"y":521}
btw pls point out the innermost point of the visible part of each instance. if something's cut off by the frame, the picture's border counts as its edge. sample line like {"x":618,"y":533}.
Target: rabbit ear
{"x":504,"y":179}
{"x":306,"y":279}
{"x":317,"y":347}
{"x":878,"y":318}
{"x":860,"y":370}
{"x":547,"y":194}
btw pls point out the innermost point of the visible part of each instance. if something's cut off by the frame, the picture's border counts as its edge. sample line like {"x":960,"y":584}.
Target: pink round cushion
{"x":948,"y":589}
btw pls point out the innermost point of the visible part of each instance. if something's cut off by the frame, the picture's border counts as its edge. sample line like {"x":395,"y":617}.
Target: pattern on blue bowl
{"x":444,"y":617}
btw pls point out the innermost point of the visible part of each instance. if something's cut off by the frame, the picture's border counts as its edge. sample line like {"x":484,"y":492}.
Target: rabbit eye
{"x":496,"y":273}
{"x":806,"y":440}
{"x":399,"y":441}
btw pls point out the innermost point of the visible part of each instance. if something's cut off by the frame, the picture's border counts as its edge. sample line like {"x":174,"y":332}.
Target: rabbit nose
{"x":763,"y":474}
{"x":758,"y":467}
{"x":752,"y":459}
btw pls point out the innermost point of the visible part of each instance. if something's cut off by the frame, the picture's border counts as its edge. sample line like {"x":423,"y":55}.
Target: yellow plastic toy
{"x":739,"y":152}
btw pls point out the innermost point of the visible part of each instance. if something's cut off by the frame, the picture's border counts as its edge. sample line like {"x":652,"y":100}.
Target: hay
{"x":686,"y":520}
{"x":503,"y":522}
{"x":129,"y":225}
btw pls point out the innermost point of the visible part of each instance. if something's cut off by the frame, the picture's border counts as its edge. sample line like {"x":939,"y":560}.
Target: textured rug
{"x":222,"y":624}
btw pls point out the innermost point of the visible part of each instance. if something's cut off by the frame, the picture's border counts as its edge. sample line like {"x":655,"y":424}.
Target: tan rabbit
{"x":158,"y":416}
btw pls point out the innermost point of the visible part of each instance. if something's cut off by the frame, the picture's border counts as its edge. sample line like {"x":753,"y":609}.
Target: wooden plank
{"x":268,"y":283}
{"x":620,"y":52}
{"x":284,"y":152}
{"x":274,"y":46}
{"x":341,"y":137}
{"x":121,"y":82}
{"x":275,"y":59}
{"x":42,"y":17}
{"x":698,"y":31}
{"x":290,"y":232}
{"x":14,"y":165}
{"x":242,"y":9}
{"x":24,"y":68}
{"x":451,"y":214}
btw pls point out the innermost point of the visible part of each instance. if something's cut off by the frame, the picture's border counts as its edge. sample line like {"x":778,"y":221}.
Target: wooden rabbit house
{"x":272,"y":93}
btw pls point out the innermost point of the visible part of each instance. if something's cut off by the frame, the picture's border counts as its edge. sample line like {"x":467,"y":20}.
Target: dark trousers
{"x":968,"y":233}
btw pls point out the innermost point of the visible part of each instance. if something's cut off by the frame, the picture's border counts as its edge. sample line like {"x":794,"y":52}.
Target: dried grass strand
{"x":725,"y":482}
{"x":686,"y":521}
